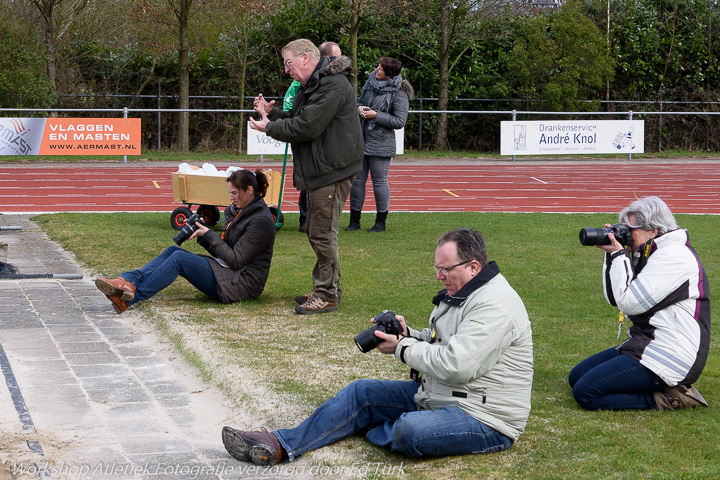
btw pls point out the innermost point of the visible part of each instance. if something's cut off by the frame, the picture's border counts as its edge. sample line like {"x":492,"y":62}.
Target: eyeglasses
{"x":446,"y":270}
{"x":633,"y":227}
{"x":289,"y":62}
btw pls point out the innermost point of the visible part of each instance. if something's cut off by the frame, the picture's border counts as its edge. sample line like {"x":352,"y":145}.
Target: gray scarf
{"x":379,"y":95}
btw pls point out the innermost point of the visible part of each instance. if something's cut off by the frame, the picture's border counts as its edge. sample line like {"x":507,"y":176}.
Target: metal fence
{"x":660,"y":113}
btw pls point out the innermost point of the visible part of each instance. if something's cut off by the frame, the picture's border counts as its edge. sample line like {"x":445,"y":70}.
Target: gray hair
{"x":650,"y":213}
{"x":302,"y":45}
{"x":470,"y":245}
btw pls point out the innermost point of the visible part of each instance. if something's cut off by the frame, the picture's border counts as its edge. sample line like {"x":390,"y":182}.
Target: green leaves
{"x":561,"y":59}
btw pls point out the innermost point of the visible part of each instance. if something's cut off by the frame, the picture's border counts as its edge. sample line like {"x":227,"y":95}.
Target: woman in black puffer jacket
{"x":383,"y":108}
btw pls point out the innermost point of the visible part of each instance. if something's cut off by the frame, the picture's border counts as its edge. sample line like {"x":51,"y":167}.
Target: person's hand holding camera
{"x":200,"y":231}
{"x":389,"y":342}
{"x":614,"y":244}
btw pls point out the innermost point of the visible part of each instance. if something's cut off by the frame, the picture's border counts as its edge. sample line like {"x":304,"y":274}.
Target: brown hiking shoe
{"x":303,"y":298}
{"x":679,"y":396}
{"x":315,"y":304}
{"x":118,"y":287}
{"x":260,"y":448}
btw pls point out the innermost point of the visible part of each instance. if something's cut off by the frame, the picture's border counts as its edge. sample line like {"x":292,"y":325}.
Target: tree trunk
{"x":184,"y":76}
{"x":354,"y":29}
{"x":440,"y":140}
{"x":243,"y":74}
{"x":46,"y":11}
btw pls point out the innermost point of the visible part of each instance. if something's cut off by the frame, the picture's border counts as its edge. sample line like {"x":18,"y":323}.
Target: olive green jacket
{"x":323,"y":127}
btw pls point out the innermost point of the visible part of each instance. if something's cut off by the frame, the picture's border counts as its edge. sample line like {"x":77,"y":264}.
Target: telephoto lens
{"x":599,"y":236}
{"x":594,"y":236}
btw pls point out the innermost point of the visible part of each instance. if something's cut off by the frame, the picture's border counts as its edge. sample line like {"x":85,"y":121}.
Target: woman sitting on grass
{"x":660,"y":285}
{"x":241,"y":253}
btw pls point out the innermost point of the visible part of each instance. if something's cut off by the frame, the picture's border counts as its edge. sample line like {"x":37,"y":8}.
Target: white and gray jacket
{"x":667,"y":298}
{"x":477,"y":354}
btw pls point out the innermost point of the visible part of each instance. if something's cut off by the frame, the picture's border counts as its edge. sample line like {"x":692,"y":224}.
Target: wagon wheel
{"x":179,"y":217}
{"x":279,"y":222}
{"x":209,"y":213}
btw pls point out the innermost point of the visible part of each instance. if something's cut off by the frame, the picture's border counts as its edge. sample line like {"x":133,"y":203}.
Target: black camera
{"x":188,"y":229}
{"x":385,"y":322}
{"x":599,"y":236}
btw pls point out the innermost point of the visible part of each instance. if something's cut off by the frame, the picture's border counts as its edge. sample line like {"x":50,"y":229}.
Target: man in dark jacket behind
{"x":324,"y":131}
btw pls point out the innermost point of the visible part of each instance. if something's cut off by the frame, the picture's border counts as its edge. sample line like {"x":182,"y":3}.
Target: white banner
{"x":400,"y":141}
{"x":260,"y":144}
{"x":559,"y":137}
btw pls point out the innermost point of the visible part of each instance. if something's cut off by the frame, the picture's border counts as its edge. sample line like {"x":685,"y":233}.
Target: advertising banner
{"x":70,"y":136}
{"x":258,"y":143}
{"x":560,"y":137}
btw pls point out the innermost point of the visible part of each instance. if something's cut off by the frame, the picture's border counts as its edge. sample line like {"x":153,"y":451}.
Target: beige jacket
{"x":477,"y":354}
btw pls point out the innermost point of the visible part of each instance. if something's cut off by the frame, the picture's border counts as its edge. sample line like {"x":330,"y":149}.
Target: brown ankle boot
{"x":679,"y":396}
{"x":118,"y":287}
{"x":260,"y":448}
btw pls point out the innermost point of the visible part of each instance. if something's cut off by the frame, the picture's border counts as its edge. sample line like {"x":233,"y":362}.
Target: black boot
{"x":379,"y":222}
{"x":354,"y":221}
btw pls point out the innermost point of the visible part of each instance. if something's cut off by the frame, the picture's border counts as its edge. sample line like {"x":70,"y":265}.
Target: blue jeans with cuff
{"x":610,"y":380}
{"x":165,"y":268}
{"x":387,"y":412}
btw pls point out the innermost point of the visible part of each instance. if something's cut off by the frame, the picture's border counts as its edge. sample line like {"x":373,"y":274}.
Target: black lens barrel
{"x":594,"y":236}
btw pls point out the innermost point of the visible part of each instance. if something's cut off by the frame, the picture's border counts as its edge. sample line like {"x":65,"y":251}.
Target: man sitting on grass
{"x":476,"y":366}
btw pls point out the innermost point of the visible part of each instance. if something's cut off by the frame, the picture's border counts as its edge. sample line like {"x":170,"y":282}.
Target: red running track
{"x":487,"y":187}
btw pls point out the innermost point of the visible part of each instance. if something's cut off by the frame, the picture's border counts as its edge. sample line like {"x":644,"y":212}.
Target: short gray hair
{"x":470,"y":245}
{"x":302,"y":45}
{"x":650,"y":213}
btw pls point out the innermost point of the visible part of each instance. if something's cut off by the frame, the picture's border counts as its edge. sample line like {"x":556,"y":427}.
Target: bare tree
{"x":235,"y":28}
{"x":351,"y":18}
{"x":174,"y":16}
{"x":188,"y":22}
{"x":449,"y":29}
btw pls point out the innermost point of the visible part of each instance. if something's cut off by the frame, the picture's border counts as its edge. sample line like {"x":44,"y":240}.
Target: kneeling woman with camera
{"x":241,"y":253}
{"x":659,"y":284}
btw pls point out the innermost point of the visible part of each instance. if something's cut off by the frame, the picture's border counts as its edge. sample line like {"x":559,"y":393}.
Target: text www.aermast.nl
{"x":111,"y":146}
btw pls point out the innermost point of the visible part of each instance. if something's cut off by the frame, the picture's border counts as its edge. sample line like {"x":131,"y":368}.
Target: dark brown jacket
{"x":247,"y":249}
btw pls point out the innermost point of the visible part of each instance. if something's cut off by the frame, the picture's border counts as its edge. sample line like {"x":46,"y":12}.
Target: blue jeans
{"x":388,"y":410}
{"x":378,"y":168}
{"x":165,"y":268}
{"x":610,"y":380}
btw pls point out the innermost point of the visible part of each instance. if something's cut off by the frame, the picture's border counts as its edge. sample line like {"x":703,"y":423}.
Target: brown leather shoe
{"x":260,"y":448}
{"x":119,"y":304}
{"x":118,"y":287}
{"x":679,"y":396}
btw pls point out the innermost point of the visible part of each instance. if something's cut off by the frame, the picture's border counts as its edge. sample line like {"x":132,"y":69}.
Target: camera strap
{"x":621,"y":320}
{"x":227,"y":227}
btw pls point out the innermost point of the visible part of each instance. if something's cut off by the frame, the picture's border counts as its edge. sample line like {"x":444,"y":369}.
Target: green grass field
{"x":299,"y":361}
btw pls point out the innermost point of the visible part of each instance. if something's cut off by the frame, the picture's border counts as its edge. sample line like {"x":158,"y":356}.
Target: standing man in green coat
{"x":323,"y":129}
